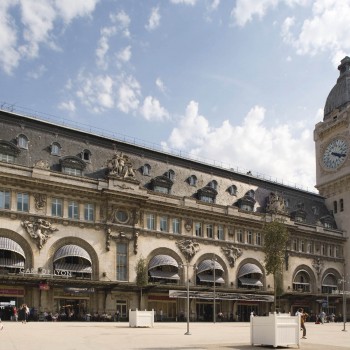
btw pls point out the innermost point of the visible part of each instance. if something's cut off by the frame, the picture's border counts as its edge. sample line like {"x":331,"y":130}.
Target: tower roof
{"x":339,"y":96}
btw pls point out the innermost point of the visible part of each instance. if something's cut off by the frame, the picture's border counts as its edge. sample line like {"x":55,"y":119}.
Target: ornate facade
{"x":79,"y":210}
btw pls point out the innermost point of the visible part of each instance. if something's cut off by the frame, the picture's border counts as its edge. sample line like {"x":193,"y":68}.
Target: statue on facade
{"x":318,"y":265}
{"x":188,"y":247}
{"x":39,"y":230}
{"x":120,"y":166}
{"x":232,"y":253}
{"x":275,"y":203}
{"x":40,"y":201}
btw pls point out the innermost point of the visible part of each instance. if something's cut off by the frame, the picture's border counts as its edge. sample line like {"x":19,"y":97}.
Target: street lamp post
{"x":342,"y":281}
{"x":188,"y":300}
{"x":214,"y":291}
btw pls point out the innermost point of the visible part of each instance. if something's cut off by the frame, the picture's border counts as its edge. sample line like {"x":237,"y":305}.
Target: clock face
{"x":335,"y":153}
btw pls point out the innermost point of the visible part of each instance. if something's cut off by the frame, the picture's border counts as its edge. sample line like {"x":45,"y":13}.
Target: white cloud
{"x":326,"y":30}
{"x":124,"y":55}
{"x":67,"y":106}
{"x":274,"y":152}
{"x":34,"y":26}
{"x":96,"y":92}
{"x":70,"y":10}
{"x":244,"y":10}
{"x":214,"y":4}
{"x":160,"y":85}
{"x":122,"y":20}
{"x":154,"y":19}
{"x":152,"y":110}
{"x":128,"y":95}
{"x":185,"y":2}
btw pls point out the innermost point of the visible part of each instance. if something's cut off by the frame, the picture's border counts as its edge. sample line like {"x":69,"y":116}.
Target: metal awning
{"x":302,"y":283}
{"x":72,"y":250}
{"x":168,"y":275}
{"x":248,"y":269}
{"x":59,"y":266}
{"x":221,"y":296}
{"x":162,"y":260}
{"x":10,"y":245}
{"x":203,"y":277}
{"x":207,"y":265}
{"x":329,"y":281}
{"x":14,"y":263}
{"x":250,"y":282}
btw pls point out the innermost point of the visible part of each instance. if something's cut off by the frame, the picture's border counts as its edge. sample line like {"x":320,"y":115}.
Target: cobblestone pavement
{"x":100,"y":335}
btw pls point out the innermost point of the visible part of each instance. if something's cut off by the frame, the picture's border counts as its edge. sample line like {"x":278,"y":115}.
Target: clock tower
{"x":332,"y":141}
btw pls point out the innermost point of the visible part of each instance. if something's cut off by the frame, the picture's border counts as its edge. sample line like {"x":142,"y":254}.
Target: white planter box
{"x":275,"y":330}
{"x":141,"y":318}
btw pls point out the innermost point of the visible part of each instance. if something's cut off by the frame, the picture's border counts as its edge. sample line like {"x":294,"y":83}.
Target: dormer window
{"x":55,"y":149}
{"x":213,"y":184}
{"x":86,"y":155}
{"x":8,"y":151}
{"x":232,"y":190}
{"x":192,"y":180}
{"x":170,"y":174}
{"x":22,"y":141}
{"x":207,"y":194}
{"x":146,"y":170}
{"x":72,"y":165}
{"x":251,"y":194}
{"x":161,"y":184}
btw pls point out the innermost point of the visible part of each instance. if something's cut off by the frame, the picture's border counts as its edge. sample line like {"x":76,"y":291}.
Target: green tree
{"x":141,"y":276}
{"x":276,"y":238}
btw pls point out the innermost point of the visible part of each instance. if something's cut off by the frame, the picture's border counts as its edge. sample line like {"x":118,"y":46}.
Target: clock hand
{"x":339,"y":155}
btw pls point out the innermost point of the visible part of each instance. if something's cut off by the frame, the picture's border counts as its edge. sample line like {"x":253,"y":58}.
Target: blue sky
{"x":239,"y":83}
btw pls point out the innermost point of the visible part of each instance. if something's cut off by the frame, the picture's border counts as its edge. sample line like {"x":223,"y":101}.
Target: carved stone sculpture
{"x":120,"y":166}
{"x":188,"y":248}
{"x":39,"y":230}
{"x":232,"y":253}
{"x":318,"y":265}
{"x":275,"y":203}
{"x":40,"y":201}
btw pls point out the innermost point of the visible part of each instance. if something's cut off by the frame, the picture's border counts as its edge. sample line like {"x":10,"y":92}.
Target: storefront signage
{"x":11,"y":292}
{"x":44,"y":272}
{"x":74,"y":290}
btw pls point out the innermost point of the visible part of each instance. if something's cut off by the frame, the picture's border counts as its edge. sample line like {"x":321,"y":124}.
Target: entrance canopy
{"x":221,"y":296}
{"x":10,"y":245}
{"x":70,"y":251}
{"x":164,"y":267}
{"x":249,"y":269}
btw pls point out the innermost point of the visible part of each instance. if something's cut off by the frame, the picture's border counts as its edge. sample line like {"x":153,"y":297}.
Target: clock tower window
{"x":341,"y":204}
{"x":335,"y":207}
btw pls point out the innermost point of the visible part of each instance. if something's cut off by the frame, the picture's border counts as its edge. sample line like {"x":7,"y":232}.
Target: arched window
{"x":146,"y":170}
{"x":232,"y":190}
{"x":55,"y":149}
{"x":170,"y":174}
{"x":301,"y":282}
{"x":213,"y":184}
{"x":86,"y":155}
{"x":22,"y":141}
{"x":329,"y":284}
{"x":192,"y":180}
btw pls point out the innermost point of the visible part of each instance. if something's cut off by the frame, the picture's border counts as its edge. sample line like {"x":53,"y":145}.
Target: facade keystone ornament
{"x":120,"y":237}
{"x":40,"y":230}
{"x":232,"y":253}
{"x":188,"y":247}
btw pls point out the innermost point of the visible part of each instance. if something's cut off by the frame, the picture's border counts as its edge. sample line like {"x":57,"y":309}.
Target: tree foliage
{"x":141,"y":272}
{"x":276,"y":238}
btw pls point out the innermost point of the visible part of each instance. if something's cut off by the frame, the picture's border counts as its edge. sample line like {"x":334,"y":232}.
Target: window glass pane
{"x":220,"y":232}
{"x":250,"y":237}
{"x":72,"y":171}
{"x":73,"y":210}
{"x":7,"y":158}
{"x":161,"y":189}
{"x":56,"y":207}
{"x":4,"y":199}
{"x":198,"y":227}
{"x":89,"y":212}
{"x":22,"y":202}
{"x":122,"y":261}
{"x":150,"y":222}
{"x":164,"y":223}
{"x":176,"y":226}
{"x":258,"y":238}
{"x":209,"y":228}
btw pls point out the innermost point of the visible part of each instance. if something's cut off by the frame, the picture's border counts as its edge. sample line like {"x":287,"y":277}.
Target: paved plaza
{"x":100,"y":335}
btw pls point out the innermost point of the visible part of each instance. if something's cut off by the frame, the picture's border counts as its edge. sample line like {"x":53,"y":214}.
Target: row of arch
{"x":78,"y":257}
